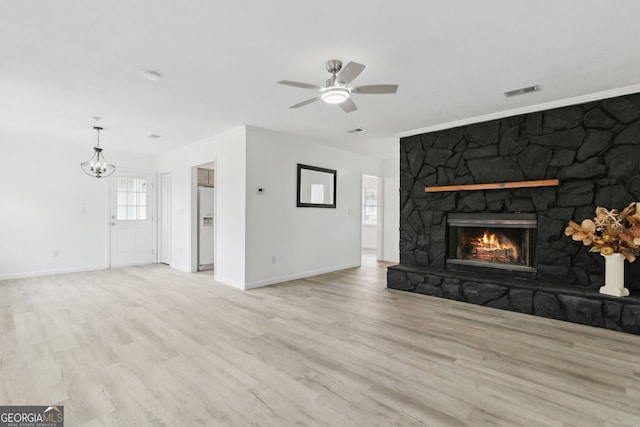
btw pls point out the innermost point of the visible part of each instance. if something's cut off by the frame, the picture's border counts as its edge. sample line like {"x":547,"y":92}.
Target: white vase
{"x":614,"y":276}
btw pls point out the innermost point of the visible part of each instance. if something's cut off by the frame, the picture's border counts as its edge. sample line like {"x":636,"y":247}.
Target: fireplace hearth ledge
{"x":578,"y":305}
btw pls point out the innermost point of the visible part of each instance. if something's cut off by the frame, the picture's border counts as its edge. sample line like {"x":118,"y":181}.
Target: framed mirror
{"x":316,"y":187}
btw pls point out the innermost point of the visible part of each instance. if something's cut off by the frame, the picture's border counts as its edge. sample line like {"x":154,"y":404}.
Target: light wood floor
{"x":155,"y":346}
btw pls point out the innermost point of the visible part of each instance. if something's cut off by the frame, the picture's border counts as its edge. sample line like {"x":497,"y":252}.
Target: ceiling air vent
{"x":357,"y":130}
{"x":154,"y":136}
{"x":522,"y":91}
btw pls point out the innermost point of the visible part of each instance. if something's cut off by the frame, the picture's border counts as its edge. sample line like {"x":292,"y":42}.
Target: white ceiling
{"x":63,"y":62}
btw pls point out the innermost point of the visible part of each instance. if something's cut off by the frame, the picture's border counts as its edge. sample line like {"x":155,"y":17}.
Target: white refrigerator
{"x":206,"y":228}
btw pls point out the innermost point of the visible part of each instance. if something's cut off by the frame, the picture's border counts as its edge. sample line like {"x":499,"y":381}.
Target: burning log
{"x":489,"y":248}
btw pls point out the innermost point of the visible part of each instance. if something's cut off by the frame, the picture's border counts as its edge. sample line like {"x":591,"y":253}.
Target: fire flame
{"x":490,"y":242}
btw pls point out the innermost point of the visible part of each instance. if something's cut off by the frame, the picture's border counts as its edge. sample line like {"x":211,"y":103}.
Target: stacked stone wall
{"x":593,"y":148}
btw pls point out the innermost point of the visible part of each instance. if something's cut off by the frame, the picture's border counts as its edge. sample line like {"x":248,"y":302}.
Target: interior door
{"x":165,"y":218}
{"x":131,"y":219}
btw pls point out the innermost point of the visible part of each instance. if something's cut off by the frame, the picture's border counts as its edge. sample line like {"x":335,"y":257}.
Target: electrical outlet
{"x":56,"y":253}
{"x":273,"y":259}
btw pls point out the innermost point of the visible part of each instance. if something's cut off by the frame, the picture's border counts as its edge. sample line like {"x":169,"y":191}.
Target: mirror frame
{"x":331,"y":172}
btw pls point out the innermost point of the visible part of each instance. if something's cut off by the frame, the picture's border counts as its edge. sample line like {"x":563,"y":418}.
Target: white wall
{"x":304,"y":241}
{"x":391,"y":216}
{"x":61,"y":209}
{"x":55,"y":218}
{"x":227,"y":150}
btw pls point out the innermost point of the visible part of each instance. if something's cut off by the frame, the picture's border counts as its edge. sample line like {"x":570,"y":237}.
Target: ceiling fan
{"x":336,"y":90}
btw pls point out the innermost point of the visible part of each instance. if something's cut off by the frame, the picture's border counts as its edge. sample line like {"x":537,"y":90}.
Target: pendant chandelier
{"x":97,"y":166}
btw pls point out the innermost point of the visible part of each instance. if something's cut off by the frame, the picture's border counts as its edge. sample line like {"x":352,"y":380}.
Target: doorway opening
{"x":204,"y":216}
{"x":370,"y":232}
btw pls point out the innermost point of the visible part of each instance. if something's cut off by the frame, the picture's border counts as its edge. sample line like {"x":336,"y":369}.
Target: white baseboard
{"x":228,"y":282}
{"x":52,"y":272}
{"x":287,"y":278}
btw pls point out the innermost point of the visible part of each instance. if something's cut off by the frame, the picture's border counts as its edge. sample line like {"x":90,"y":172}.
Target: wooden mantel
{"x":494,"y":186}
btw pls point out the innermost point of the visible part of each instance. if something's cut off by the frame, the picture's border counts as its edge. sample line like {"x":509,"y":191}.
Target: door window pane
{"x":131,"y":199}
{"x":122,"y":198}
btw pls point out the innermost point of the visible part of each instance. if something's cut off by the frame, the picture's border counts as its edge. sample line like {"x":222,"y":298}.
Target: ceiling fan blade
{"x":375,"y":89}
{"x":350,"y":72}
{"x":303,"y":103}
{"x":298,"y":84}
{"x":348,"y":106}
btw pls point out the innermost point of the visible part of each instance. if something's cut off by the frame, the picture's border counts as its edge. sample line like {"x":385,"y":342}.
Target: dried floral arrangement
{"x":610,"y":231}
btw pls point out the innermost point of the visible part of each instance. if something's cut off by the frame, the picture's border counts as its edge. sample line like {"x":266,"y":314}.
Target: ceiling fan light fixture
{"x":336,"y":90}
{"x":335,"y":95}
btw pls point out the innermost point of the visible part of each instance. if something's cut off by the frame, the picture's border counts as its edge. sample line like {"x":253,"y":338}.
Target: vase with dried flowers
{"x":616,"y":235}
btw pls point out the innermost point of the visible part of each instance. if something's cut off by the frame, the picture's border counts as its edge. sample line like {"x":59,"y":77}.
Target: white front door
{"x":165,"y":218}
{"x":131,"y":219}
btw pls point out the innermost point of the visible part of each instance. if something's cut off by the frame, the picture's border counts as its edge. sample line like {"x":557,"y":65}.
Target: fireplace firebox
{"x":504,"y":241}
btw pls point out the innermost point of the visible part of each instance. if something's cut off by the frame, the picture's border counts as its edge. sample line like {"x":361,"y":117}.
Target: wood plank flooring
{"x":154,"y":346}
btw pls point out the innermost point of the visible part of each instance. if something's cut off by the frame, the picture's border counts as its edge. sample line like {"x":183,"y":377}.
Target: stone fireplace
{"x":506,"y":248}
